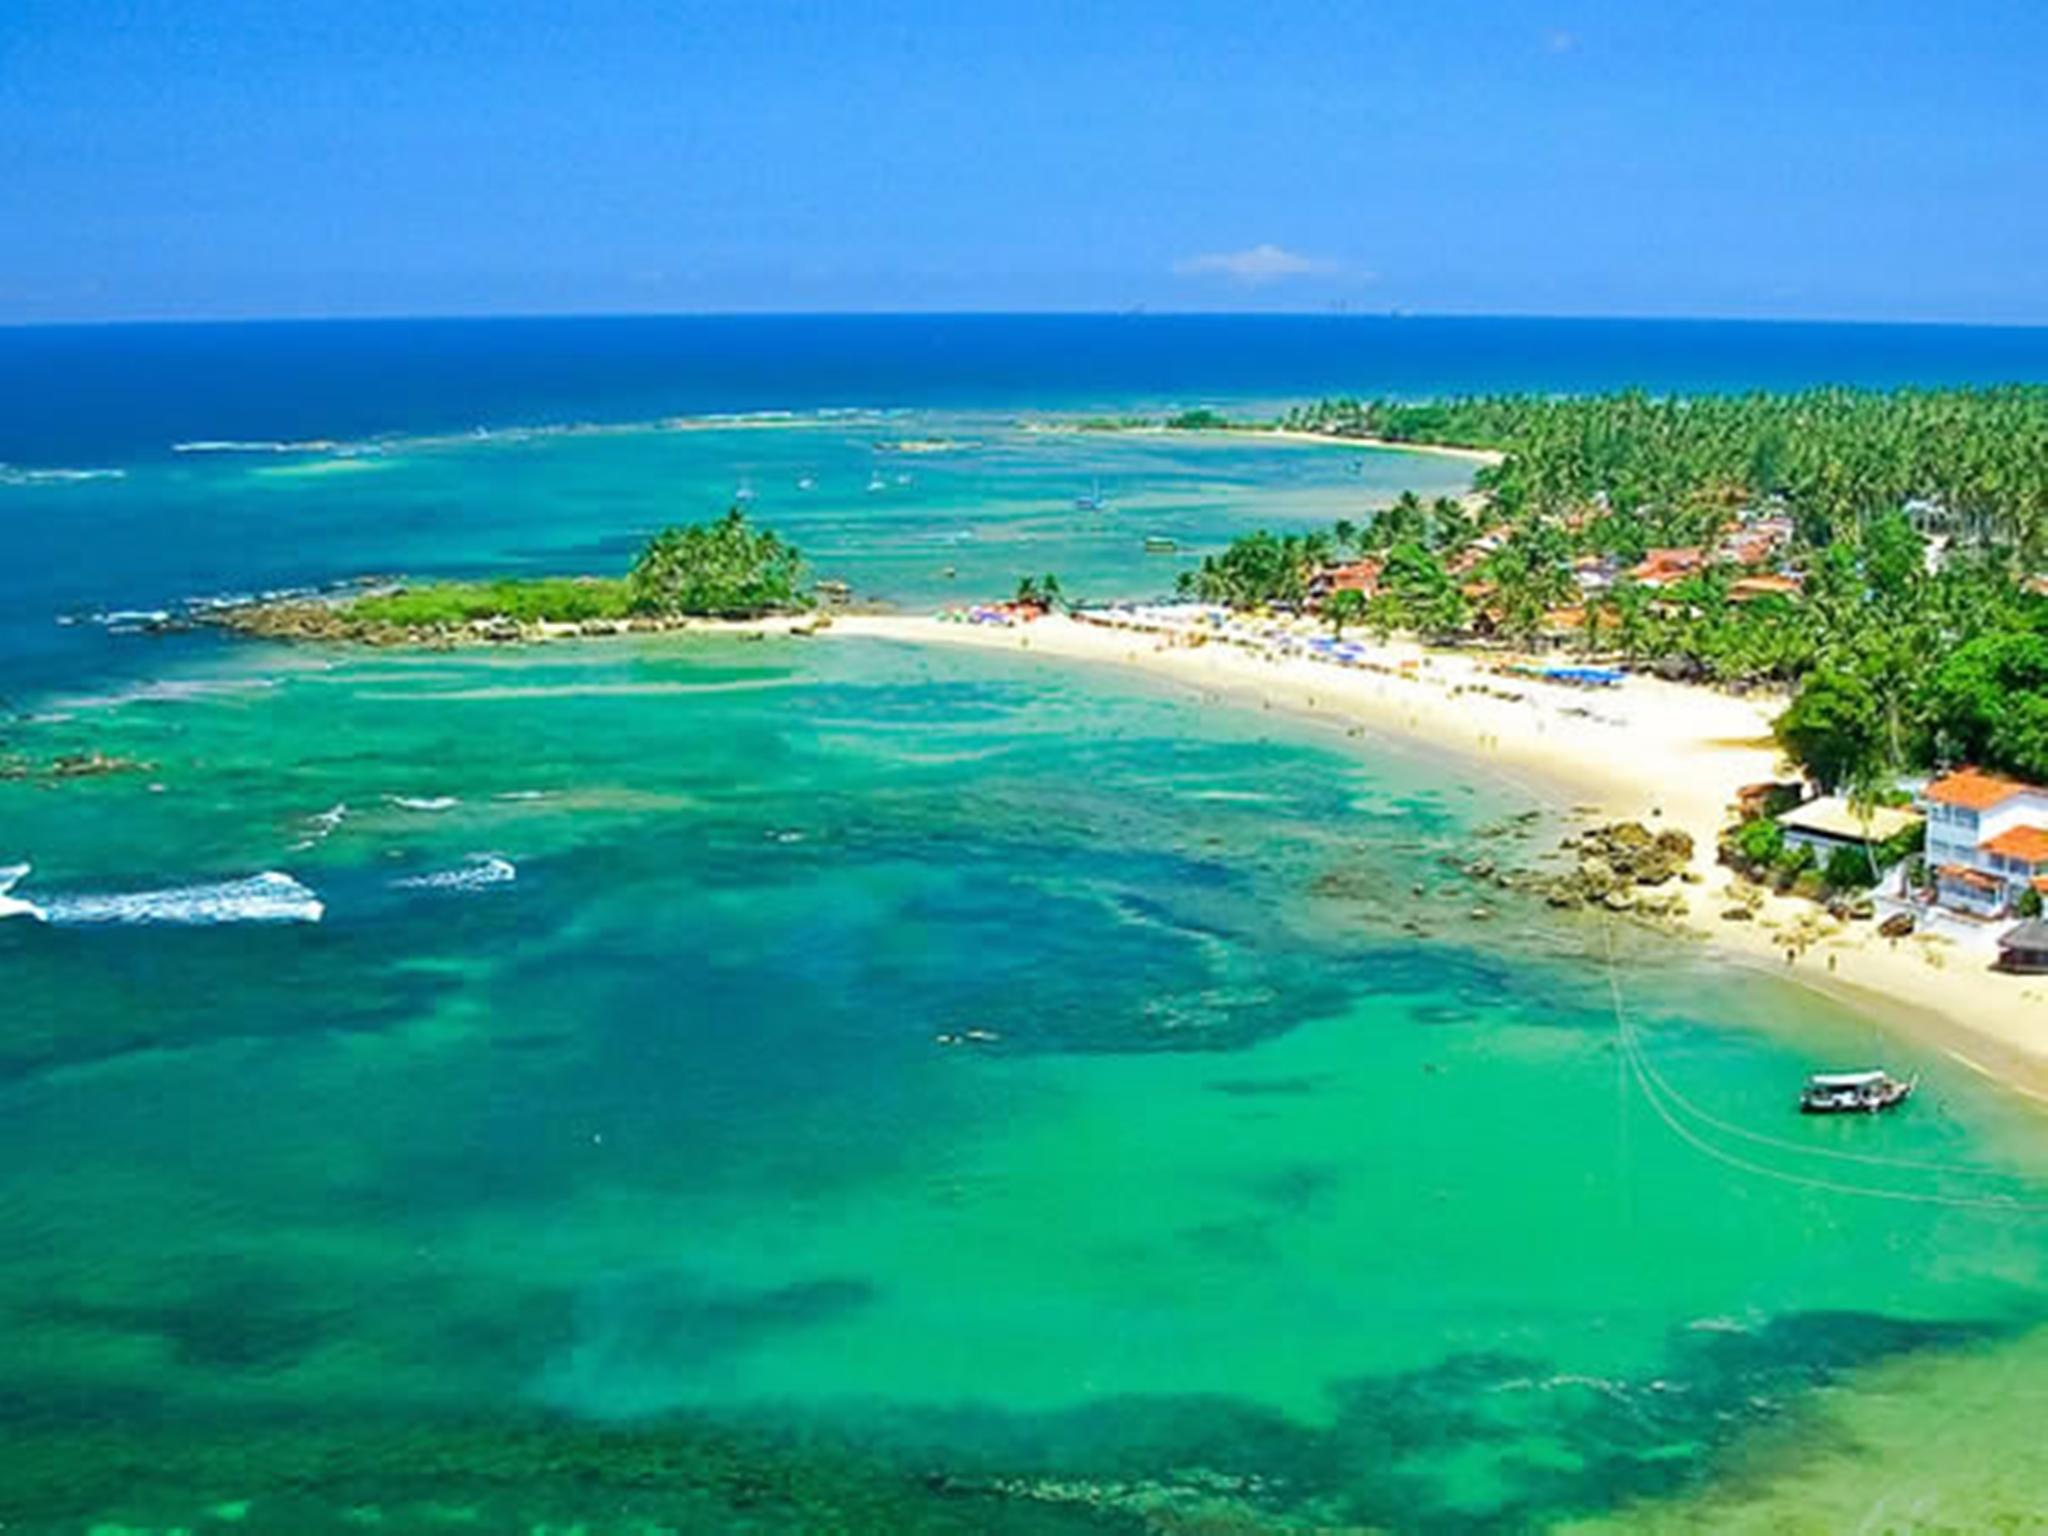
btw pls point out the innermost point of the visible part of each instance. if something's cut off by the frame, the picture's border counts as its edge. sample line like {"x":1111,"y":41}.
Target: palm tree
{"x":1345,"y":606}
{"x":1632,"y":618}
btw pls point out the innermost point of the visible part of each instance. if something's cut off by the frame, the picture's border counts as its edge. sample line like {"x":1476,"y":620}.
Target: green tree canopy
{"x":722,"y":569}
{"x":1835,"y":730}
{"x":1991,"y":699}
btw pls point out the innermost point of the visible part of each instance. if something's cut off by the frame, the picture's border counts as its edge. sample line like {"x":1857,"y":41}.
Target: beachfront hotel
{"x":1987,"y":840}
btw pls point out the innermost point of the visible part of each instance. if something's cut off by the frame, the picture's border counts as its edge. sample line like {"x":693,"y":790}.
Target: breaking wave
{"x":321,"y":826}
{"x":10,"y":905}
{"x":483,"y":871}
{"x":424,"y":802}
{"x":262,"y":445}
{"x":270,"y":897}
{"x":9,"y":475}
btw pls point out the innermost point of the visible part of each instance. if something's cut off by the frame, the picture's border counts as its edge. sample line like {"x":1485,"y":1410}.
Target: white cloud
{"x":1557,"y":40}
{"x":1261,"y":264}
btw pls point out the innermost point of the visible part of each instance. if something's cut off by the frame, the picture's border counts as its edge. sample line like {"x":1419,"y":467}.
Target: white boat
{"x":1853,"y":1093}
{"x":12,"y":906}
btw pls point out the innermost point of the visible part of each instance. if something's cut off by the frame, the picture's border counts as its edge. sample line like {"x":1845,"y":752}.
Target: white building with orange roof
{"x":1987,"y":840}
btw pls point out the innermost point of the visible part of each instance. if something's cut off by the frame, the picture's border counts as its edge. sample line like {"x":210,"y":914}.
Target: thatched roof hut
{"x":2024,"y":948}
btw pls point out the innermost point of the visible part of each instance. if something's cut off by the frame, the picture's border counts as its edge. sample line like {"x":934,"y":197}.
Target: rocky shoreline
{"x":331,"y":621}
{"x":1625,"y":866}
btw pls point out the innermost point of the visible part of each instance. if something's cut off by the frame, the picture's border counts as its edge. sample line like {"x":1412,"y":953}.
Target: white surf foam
{"x":424,"y":802}
{"x":9,"y":475}
{"x":321,"y":826}
{"x":261,"y":445}
{"x":270,"y":897}
{"x":10,"y":905}
{"x":483,"y":871}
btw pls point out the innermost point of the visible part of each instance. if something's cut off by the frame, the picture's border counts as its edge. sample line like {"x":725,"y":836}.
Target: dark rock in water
{"x":75,"y":765}
{"x":1616,"y":860}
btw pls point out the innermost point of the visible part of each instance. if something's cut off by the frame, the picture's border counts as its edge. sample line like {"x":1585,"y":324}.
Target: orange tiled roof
{"x":1360,"y":576}
{"x":1974,"y":790}
{"x":2028,"y":844}
{"x":1658,"y":564}
{"x":1758,"y":586}
{"x":1962,"y":874}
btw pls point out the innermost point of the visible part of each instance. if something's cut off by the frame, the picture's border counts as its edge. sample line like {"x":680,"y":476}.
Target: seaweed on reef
{"x":322,"y":1477}
{"x":1389,"y":1457}
{"x":1384,"y":1461}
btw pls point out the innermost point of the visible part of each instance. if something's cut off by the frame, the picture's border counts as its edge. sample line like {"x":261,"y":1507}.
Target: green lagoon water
{"x":596,"y":1160}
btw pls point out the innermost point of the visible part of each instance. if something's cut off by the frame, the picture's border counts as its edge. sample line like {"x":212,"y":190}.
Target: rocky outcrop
{"x":1623,"y":867}
{"x":75,"y":765}
{"x":333,"y":622}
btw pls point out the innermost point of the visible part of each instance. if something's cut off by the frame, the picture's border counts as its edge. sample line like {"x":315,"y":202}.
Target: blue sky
{"x":1865,"y":159}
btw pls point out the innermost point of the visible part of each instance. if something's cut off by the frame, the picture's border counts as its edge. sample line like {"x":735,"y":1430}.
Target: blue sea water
{"x":701,"y":1085}
{"x":78,"y":396}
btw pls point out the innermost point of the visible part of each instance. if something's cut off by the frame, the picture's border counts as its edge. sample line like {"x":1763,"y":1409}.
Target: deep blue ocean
{"x":73,"y":396}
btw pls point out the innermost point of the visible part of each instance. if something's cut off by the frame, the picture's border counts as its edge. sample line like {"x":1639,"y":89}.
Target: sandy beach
{"x":1665,"y":753}
{"x":1479,"y":456}
{"x":1325,"y":440}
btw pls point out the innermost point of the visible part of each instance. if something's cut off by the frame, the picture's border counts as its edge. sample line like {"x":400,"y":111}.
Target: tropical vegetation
{"x":722,"y":569}
{"x":1879,"y":555}
{"x":725,"y":568}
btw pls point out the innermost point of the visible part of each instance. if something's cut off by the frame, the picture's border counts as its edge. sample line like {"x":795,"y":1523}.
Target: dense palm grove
{"x":1878,"y":553}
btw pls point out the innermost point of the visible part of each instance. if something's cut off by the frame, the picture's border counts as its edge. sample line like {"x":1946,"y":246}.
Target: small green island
{"x":726,"y":570}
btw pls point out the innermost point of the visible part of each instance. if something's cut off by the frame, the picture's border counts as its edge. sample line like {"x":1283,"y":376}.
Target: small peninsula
{"x":726,"y":570}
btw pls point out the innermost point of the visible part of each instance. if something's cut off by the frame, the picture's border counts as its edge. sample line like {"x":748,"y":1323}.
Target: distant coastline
{"x":1264,"y":432}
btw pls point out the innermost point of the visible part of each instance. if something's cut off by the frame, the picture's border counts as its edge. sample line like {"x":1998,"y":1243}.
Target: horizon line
{"x":1132,"y":313}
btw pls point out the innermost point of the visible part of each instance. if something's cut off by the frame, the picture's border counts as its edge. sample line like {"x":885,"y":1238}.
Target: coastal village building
{"x":1595,"y":573}
{"x":1752,"y":544}
{"x":1668,"y":567}
{"x":1360,"y":576}
{"x":1831,"y":822}
{"x":1987,"y":840}
{"x":2024,"y":948}
{"x":1749,"y":588}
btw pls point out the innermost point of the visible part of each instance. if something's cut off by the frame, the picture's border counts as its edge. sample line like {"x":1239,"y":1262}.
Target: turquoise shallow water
{"x":916,"y":527}
{"x":1248,"y":1177}
{"x":822,"y":1085}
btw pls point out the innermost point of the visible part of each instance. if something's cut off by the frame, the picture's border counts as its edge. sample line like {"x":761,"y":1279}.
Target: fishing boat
{"x":1159,"y":544}
{"x":1853,"y":1093}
